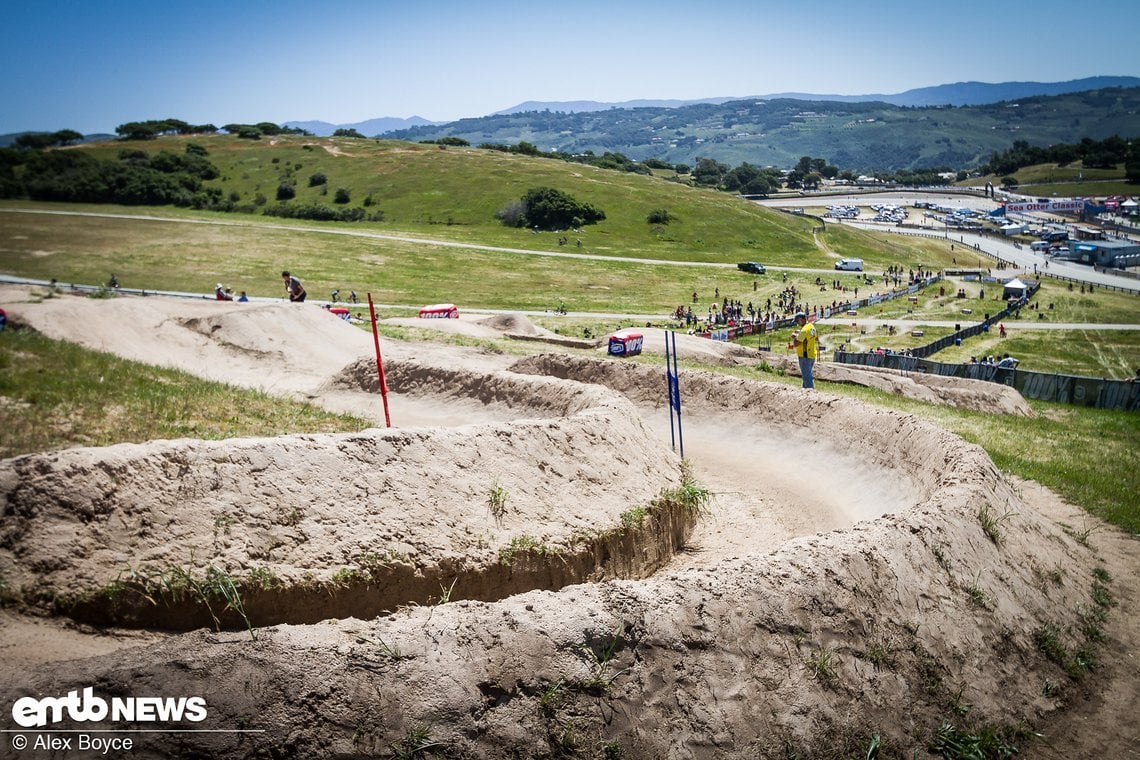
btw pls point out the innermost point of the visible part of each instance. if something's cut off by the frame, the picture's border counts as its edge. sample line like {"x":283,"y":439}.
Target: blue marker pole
{"x":674,"y":392}
{"x":669,"y":384}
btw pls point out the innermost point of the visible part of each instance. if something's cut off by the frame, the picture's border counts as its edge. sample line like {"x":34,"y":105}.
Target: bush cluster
{"x":135,"y":179}
{"x":320,"y":213}
{"x":548,"y":209}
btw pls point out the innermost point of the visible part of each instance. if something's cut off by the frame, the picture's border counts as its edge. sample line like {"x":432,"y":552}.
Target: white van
{"x":850,"y":265}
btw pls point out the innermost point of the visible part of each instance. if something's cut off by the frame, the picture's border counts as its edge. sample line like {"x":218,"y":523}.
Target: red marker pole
{"x":379,"y":361}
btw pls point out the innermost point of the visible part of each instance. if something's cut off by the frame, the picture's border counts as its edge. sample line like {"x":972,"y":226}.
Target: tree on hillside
{"x":709,"y":173}
{"x":549,"y":209}
{"x":255,"y":131}
{"x":525,"y":148}
{"x":747,"y":179}
{"x":1132,"y":162}
{"x":10,"y":186}
{"x":148,"y":130}
{"x":43,"y":140}
{"x":137,"y":130}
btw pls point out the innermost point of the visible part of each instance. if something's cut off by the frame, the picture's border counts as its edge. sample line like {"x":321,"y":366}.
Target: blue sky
{"x":91,"y":66}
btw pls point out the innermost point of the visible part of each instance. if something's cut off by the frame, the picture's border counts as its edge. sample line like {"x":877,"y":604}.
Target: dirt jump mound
{"x":320,"y":526}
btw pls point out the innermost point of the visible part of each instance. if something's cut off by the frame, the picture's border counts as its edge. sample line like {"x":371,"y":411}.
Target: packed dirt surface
{"x":513,"y":570}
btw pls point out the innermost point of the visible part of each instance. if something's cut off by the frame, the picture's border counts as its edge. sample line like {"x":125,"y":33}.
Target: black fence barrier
{"x":1092,"y":286}
{"x":1101,"y":393}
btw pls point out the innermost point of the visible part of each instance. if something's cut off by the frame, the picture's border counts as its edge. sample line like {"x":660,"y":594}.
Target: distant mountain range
{"x":370,"y":127}
{"x":957,"y":94}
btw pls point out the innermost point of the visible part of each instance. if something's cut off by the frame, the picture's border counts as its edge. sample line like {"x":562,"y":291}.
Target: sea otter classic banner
{"x":1066,"y":204}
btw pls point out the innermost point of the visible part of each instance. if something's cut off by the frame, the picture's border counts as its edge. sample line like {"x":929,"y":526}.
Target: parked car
{"x":751,"y":266}
{"x":850,"y":265}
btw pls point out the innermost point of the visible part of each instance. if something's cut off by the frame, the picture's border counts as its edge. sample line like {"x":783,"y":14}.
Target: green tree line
{"x":1093,"y":154}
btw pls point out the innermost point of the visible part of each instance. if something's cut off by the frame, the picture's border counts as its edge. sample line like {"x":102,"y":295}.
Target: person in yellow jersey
{"x":805,"y":341}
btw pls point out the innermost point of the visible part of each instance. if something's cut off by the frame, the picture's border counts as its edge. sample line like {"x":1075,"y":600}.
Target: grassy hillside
{"x":454,"y":193}
{"x":1073,"y":180}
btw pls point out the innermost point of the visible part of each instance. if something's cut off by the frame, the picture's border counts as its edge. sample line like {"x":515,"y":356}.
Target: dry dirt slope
{"x":806,"y":648}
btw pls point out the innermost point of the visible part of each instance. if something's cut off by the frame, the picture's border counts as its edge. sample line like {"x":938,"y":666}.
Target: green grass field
{"x":58,"y":395}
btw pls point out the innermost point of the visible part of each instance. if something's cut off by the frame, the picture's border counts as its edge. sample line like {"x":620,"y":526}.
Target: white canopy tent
{"x":1015,"y":288}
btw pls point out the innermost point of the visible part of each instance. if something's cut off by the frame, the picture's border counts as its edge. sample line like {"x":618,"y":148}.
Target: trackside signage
{"x":85,"y":706}
{"x":1025,"y":208}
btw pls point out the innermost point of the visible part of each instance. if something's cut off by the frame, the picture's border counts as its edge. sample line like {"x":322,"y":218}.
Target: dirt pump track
{"x":829,"y":593}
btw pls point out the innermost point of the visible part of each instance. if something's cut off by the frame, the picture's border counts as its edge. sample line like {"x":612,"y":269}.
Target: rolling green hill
{"x":454,"y":194}
{"x":863,"y":137}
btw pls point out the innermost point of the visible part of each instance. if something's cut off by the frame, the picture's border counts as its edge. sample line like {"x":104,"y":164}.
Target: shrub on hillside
{"x":549,"y":209}
{"x":513,"y":214}
{"x":79,"y":178}
{"x":170,"y":162}
{"x":316,"y":212}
